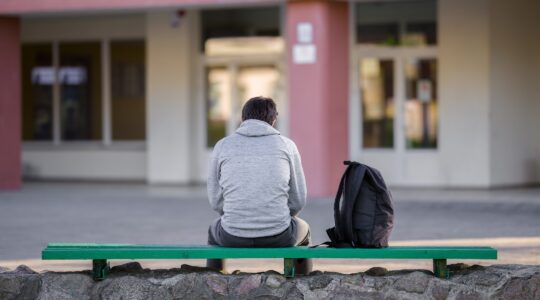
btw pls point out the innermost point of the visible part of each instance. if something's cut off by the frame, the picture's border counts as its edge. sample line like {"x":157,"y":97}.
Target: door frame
{"x":233,"y":63}
{"x":397,"y":157}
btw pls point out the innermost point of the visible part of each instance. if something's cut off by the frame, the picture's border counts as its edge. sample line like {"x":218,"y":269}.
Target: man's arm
{"x":297,"y":183}
{"x":215,"y":193}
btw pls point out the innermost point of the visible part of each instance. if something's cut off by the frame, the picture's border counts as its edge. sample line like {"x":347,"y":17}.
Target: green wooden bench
{"x":100,"y":253}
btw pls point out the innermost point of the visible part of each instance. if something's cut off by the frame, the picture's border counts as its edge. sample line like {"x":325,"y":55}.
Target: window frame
{"x":398,"y":55}
{"x":106,"y":140}
{"x":233,"y":64}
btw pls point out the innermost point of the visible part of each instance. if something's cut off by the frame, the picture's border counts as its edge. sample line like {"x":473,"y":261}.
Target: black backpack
{"x":364,"y":216}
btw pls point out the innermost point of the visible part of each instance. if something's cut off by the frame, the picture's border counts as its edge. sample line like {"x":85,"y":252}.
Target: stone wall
{"x":130,"y":281}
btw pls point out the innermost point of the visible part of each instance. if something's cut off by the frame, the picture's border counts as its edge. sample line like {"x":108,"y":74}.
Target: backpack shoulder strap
{"x":337,"y":234}
{"x":352,"y":186}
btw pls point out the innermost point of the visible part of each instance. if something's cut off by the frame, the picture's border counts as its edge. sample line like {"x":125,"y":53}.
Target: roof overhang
{"x":30,"y":7}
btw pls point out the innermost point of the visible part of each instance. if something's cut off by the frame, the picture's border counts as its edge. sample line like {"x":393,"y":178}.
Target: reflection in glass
{"x":239,"y":46}
{"x":377,"y":92}
{"x":396,"y":23}
{"x":378,"y":34}
{"x":420,"y":34}
{"x":421,"y":115}
{"x":253,"y":82}
{"x":248,"y":22}
{"x":128,"y":90}
{"x":37,"y":83}
{"x":218,"y":104}
{"x":80,"y":81}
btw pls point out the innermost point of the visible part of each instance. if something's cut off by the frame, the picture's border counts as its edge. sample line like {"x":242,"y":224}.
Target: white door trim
{"x":398,"y":155}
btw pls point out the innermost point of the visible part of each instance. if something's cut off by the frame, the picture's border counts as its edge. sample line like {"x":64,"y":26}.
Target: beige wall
{"x":84,"y":162}
{"x":464,"y":92}
{"x":168,"y":98}
{"x":515,"y":96}
{"x":490,"y":92}
{"x":91,"y":27}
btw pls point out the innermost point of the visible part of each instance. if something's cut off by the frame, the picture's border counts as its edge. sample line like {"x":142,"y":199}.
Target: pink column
{"x":319,"y":91}
{"x":10,"y":104}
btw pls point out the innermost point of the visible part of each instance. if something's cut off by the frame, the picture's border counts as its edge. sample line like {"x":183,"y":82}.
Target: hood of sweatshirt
{"x":254,"y":128}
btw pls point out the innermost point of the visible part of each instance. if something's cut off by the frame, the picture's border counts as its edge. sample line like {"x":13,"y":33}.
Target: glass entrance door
{"x":395,"y":111}
{"x":228,"y":87}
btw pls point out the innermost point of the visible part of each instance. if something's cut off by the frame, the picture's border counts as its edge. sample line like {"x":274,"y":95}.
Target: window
{"x":80,"y":82}
{"x":397,"y":23}
{"x":253,"y":81}
{"x":239,"y":23}
{"x":245,"y":82}
{"x":242,"y":48}
{"x":377,"y":92}
{"x":218,"y":103}
{"x":80,"y":103}
{"x":384,"y":34}
{"x":128,"y":90}
{"x":37,"y":94}
{"x":421,"y":117}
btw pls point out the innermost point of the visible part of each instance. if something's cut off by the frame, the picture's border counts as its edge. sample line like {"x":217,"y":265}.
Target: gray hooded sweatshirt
{"x":255,"y":181}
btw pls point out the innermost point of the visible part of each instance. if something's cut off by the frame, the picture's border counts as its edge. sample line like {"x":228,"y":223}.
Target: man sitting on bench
{"x":257,"y":185}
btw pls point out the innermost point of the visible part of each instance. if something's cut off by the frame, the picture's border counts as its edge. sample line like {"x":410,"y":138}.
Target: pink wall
{"x":51,"y":6}
{"x":318,"y":93}
{"x":10,"y":104}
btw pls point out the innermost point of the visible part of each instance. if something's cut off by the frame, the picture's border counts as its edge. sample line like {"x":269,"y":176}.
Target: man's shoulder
{"x":291,"y":146}
{"x":224,"y":144}
{"x":218,"y":147}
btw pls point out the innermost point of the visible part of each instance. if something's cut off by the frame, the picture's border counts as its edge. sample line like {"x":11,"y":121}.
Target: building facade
{"x":432,"y":93}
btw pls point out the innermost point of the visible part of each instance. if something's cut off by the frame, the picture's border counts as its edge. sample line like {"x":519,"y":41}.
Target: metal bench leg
{"x":100,"y":268}
{"x":440,"y":268}
{"x":289,"y":268}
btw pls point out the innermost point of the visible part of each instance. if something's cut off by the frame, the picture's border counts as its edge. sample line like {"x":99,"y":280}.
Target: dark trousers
{"x":297,"y":234}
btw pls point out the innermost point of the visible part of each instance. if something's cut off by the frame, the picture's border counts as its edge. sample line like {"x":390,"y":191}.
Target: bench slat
{"x":128,"y":251}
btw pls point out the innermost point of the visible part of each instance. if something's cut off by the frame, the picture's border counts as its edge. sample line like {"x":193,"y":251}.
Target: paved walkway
{"x":135,"y":213}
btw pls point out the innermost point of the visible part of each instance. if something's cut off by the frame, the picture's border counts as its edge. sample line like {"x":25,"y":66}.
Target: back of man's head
{"x":260,"y":108}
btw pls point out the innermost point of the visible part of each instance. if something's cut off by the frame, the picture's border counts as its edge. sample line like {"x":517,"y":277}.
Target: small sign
{"x":424,"y":90}
{"x":304,"y":54}
{"x":304,"y":32}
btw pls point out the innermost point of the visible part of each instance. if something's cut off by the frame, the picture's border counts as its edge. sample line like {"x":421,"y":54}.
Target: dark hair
{"x":260,"y":108}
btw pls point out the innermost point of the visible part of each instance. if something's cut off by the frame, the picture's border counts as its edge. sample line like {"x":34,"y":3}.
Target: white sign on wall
{"x":304,"y":54}
{"x":304,"y":51}
{"x":425,"y":93}
{"x":304,"y":32}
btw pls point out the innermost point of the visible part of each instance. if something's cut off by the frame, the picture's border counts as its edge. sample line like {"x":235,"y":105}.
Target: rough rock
{"x":247,"y":284}
{"x":128,"y":267}
{"x":377,"y":271}
{"x":19,"y":285}
{"x":65,"y":286}
{"x":415,"y":282}
{"x":275,"y":281}
{"x":188,"y":268}
{"x":23,"y":269}
{"x":320,"y":282}
{"x":521,"y":288}
{"x":440,"y":291}
{"x":197,"y":286}
{"x":129,"y":287}
{"x":132,"y":282}
{"x":469,"y":295}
